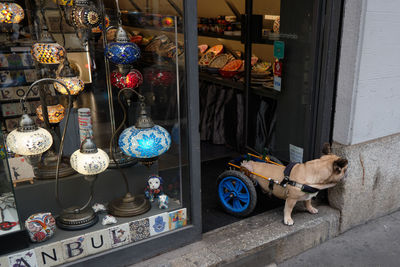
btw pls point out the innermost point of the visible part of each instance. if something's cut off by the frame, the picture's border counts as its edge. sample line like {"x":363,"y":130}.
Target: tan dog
{"x":320,"y":173}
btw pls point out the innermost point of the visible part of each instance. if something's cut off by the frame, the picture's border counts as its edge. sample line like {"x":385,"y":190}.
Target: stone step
{"x":256,"y":241}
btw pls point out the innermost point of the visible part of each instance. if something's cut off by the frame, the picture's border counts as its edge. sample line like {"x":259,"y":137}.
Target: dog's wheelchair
{"x":236,"y":189}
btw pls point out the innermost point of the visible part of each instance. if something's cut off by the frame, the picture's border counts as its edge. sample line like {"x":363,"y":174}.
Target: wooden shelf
{"x":221,"y":36}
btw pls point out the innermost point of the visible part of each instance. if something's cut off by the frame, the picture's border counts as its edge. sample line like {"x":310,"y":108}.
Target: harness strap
{"x":286,"y":180}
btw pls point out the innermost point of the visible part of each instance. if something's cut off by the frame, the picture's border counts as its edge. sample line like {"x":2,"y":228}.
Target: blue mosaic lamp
{"x":122,"y":51}
{"x":144,"y":141}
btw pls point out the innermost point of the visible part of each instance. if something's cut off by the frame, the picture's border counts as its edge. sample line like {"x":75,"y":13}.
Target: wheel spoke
{"x":228,"y":185}
{"x":238,"y":187}
{"x":227,"y":196}
{"x":243,"y":197}
{"x":236,"y":204}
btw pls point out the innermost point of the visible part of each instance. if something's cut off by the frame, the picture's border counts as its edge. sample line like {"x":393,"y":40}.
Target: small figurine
{"x":108,"y":219}
{"x":40,"y":226}
{"x":154,"y":187}
{"x":97,"y":207}
{"x":163,"y":201}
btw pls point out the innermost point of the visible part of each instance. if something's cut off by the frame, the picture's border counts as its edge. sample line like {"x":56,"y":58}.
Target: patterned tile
{"x":139,"y":229}
{"x":119,"y":235}
{"x":49,"y":255}
{"x":24,"y":258}
{"x":159,"y":224}
{"x":74,"y":248}
{"x":177,"y":219}
{"x":4,"y":262}
{"x":97,"y":241}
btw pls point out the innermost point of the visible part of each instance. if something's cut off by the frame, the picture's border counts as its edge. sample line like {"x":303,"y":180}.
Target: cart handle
{"x":266,"y":159}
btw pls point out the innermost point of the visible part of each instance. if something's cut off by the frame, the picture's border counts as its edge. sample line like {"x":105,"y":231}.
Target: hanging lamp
{"x":132,"y":79}
{"x":68,"y":76}
{"x":11,"y":12}
{"x":84,"y":15}
{"x":46,"y":50}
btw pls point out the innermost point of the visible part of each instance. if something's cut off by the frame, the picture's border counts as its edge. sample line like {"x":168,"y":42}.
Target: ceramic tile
{"x":159,"y":224}
{"x":139,"y":229}
{"x":177,"y":219}
{"x":119,"y":235}
{"x":49,"y":255}
{"x":97,"y":241}
{"x":74,"y":248}
{"x":24,"y":258}
{"x":4,"y":262}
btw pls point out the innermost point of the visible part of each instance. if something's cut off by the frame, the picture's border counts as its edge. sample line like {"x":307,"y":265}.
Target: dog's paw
{"x":288,"y":221}
{"x":312,"y":210}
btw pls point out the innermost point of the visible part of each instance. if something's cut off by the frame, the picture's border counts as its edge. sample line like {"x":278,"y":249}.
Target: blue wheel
{"x":236,"y":193}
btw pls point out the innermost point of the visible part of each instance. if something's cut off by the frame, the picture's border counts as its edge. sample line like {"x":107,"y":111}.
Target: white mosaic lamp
{"x":28,"y":139}
{"x":89,"y":160}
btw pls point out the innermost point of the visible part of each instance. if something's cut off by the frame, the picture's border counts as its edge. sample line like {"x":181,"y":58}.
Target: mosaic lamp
{"x":10,"y":12}
{"x":132,"y":79}
{"x":70,"y":79}
{"x":84,"y":15}
{"x":88,"y":161}
{"x":122,"y":51}
{"x":55,"y":112}
{"x":29,"y":140}
{"x":145,"y":140}
{"x":46,"y":50}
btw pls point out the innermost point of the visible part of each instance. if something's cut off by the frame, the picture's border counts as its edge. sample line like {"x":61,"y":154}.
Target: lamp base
{"x":71,"y":220}
{"x":129,"y":206}
{"x":48,"y":170}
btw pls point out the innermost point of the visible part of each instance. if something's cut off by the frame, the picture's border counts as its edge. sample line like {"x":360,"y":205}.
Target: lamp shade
{"x":11,"y":13}
{"x":158,"y":77}
{"x":85,"y":16}
{"x":131,"y":80}
{"x":122,"y":51}
{"x":64,"y":2}
{"x":74,"y":85}
{"x":89,"y":160}
{"x":144,"y":143}
{"x":55,"y":112}
{"x":48,"y":53}
{"x":28,"y":139}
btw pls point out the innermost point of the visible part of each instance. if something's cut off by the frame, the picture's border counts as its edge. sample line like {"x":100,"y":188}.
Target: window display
{"x":95,"y":117}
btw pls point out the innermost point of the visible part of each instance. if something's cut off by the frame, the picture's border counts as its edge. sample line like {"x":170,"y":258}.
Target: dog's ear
{"x":326,"y":149}
{"x":339,"y":164}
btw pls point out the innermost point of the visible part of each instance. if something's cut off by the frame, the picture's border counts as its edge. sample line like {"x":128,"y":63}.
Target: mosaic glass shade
{"x":99,"y":29}
{"x":56,"y":113}
{"x":122,"y":53}
{"x":89,"y":163}
{"x":29,"y":143}
{"x":85,"y":16}
{"x":48,"y":53}
{"x":131,"y":80}
{"x":157,"y":77}
{"x":11,"y":13}
{"x":64,"y":2}
{"x":74,"y":85}
{"x":144,"y":143}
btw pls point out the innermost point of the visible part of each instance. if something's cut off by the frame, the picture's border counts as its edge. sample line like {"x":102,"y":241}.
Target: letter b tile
{"x":74,"y":248}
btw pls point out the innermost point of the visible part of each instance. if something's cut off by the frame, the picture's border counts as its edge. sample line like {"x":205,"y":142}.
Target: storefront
{"x":133,"y":93}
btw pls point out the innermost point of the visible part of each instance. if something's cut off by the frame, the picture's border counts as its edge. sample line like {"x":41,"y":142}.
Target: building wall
{"x":367,"y":113}
{"x":369,"y":75}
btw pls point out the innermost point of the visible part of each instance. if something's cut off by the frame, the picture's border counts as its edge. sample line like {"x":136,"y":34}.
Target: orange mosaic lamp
{"x":47,"y":51}
{"x":11,"y":13}
{"x":56,"y":113}
{"x":70,"y":79}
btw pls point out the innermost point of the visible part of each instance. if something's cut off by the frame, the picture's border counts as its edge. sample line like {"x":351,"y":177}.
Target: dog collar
{"x":286,"y":181}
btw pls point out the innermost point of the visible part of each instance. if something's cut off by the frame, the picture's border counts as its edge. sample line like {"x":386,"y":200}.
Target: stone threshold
{"x":256,"y":241}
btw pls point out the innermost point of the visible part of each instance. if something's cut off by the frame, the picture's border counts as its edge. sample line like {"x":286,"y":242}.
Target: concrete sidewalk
{"x":376,"y":243}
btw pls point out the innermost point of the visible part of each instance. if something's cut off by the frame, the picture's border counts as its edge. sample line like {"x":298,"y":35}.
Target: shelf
{"x":16,"y":100}
{"x":17,"y":68}
{"x":238,"y":85}
{"x":221,"y":36}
